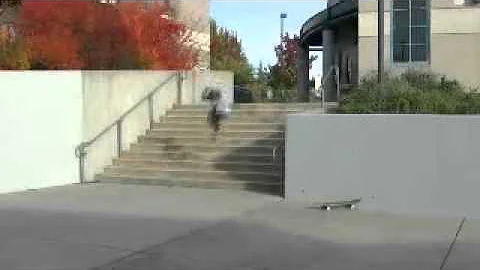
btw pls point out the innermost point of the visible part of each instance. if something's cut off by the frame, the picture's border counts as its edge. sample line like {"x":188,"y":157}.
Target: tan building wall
{"x":454,"y":40}
{"x":195,"y":14}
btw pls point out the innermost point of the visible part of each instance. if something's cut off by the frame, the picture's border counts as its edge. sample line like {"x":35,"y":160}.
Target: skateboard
{"x":347,"y":204}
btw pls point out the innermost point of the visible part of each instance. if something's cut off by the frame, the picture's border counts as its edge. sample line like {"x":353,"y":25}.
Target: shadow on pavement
{"x":118,"y":227}
{"x":232,"y":245}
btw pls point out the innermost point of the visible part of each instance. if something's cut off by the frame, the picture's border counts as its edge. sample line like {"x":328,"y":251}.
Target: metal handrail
{"x":274,"y":154}
{"x":80,"y":150}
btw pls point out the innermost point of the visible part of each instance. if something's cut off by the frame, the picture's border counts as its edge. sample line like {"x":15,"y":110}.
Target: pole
{"x":282,"y":26}
{"x":381,"y":40}
{"x":281,"y":29}
{"x":119,"y":137}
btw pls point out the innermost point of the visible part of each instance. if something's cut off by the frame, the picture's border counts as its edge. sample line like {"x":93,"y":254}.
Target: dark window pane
{"x":419,"y":17}
{"x":401,"y":53}
{"x":401,"y":4}
{"x":401,"y":18}
{"x":419,"y":53}
{"x":419,"y":3}
{"x":419,"y":35}
{"x":401,"y":35}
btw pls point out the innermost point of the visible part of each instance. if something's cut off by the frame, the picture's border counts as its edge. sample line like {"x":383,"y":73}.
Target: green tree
{"x":259,"y":86}
{"x":226,"y":53}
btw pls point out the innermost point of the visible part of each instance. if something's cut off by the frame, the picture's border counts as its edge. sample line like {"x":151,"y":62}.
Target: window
{"x":411,"y":31}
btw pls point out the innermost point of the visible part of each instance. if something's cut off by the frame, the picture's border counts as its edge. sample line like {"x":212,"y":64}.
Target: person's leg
{"x":221,"y":118}
{"x":217,"y":123}
{"x":214,"y":118}
{"x":210,"y":117}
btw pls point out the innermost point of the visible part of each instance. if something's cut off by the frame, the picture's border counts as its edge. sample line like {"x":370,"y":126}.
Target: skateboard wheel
{"x":329,"y":208}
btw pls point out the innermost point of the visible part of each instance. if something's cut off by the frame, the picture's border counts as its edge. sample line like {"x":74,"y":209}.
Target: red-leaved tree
{"x":89,"y":35}
{"x":284,"y":72}
{"x":162,"y":43}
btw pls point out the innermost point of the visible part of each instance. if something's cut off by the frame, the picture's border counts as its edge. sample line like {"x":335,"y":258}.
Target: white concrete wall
{"x":413,"y":164}
{"x":41,"y":115}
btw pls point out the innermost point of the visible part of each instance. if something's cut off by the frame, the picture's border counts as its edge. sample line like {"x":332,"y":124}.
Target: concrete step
{"x":271,"y":119}
{"x":179,"y":155}
{"x":222,"y":133}
{"x":268,"y":177}
{"x":210,"y":140}
{"x":202,"y":148}
{"x":260,"y":106}
{"x":196,"y":165}
{"x":263,"y":187}
{"x":227,"y":126}
{"x":234,"y":113}
{"x":253,"y":110}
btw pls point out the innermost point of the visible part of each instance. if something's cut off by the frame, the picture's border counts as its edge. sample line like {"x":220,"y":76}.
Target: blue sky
{"x":257,"y":23}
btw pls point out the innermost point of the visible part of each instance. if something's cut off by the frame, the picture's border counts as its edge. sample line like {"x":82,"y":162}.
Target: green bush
{"x":413,"y":92}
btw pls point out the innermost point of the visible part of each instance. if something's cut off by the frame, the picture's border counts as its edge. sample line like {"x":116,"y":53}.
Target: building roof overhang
{"x":311,"y":32}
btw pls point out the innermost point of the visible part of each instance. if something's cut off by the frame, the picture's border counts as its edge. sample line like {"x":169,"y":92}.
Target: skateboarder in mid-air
{"x":219,"y":107}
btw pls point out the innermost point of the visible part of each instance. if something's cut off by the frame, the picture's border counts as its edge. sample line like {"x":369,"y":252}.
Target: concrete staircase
{"x":181,"y":150}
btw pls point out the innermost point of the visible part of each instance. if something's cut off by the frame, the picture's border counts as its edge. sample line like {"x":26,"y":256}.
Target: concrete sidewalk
{"x":137,"y":227}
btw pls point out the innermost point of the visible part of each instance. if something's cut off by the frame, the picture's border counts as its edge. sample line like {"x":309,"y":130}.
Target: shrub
{"x":413,"y":92}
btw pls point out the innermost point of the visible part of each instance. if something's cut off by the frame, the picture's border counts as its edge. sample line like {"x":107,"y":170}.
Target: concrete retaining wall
{"x":414,"y":164}
{"x":109,"y":94}
{"x":41,"y":115}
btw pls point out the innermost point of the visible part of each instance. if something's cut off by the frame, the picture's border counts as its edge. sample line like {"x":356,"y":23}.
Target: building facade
{"x":438,"y":35}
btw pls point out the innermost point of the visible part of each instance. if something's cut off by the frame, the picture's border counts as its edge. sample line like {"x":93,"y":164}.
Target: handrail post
{"x":323,"y":96}
{"x":337,"y":80}
{"x":119,"y":137}
{"x":150,"y":111}
{"x":278,"y":156}
{"x":80,"y":153}
{"x":179,"y":87}
{"x":282,"y":159}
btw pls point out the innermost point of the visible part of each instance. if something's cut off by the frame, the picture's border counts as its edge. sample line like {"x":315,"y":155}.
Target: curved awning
{"x":311,"y":32}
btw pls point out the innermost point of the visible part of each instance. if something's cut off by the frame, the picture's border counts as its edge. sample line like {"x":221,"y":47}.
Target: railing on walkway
{"x":81,"y":149}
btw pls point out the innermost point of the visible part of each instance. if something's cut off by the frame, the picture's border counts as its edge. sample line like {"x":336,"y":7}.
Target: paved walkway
{"x":136,"y":227}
